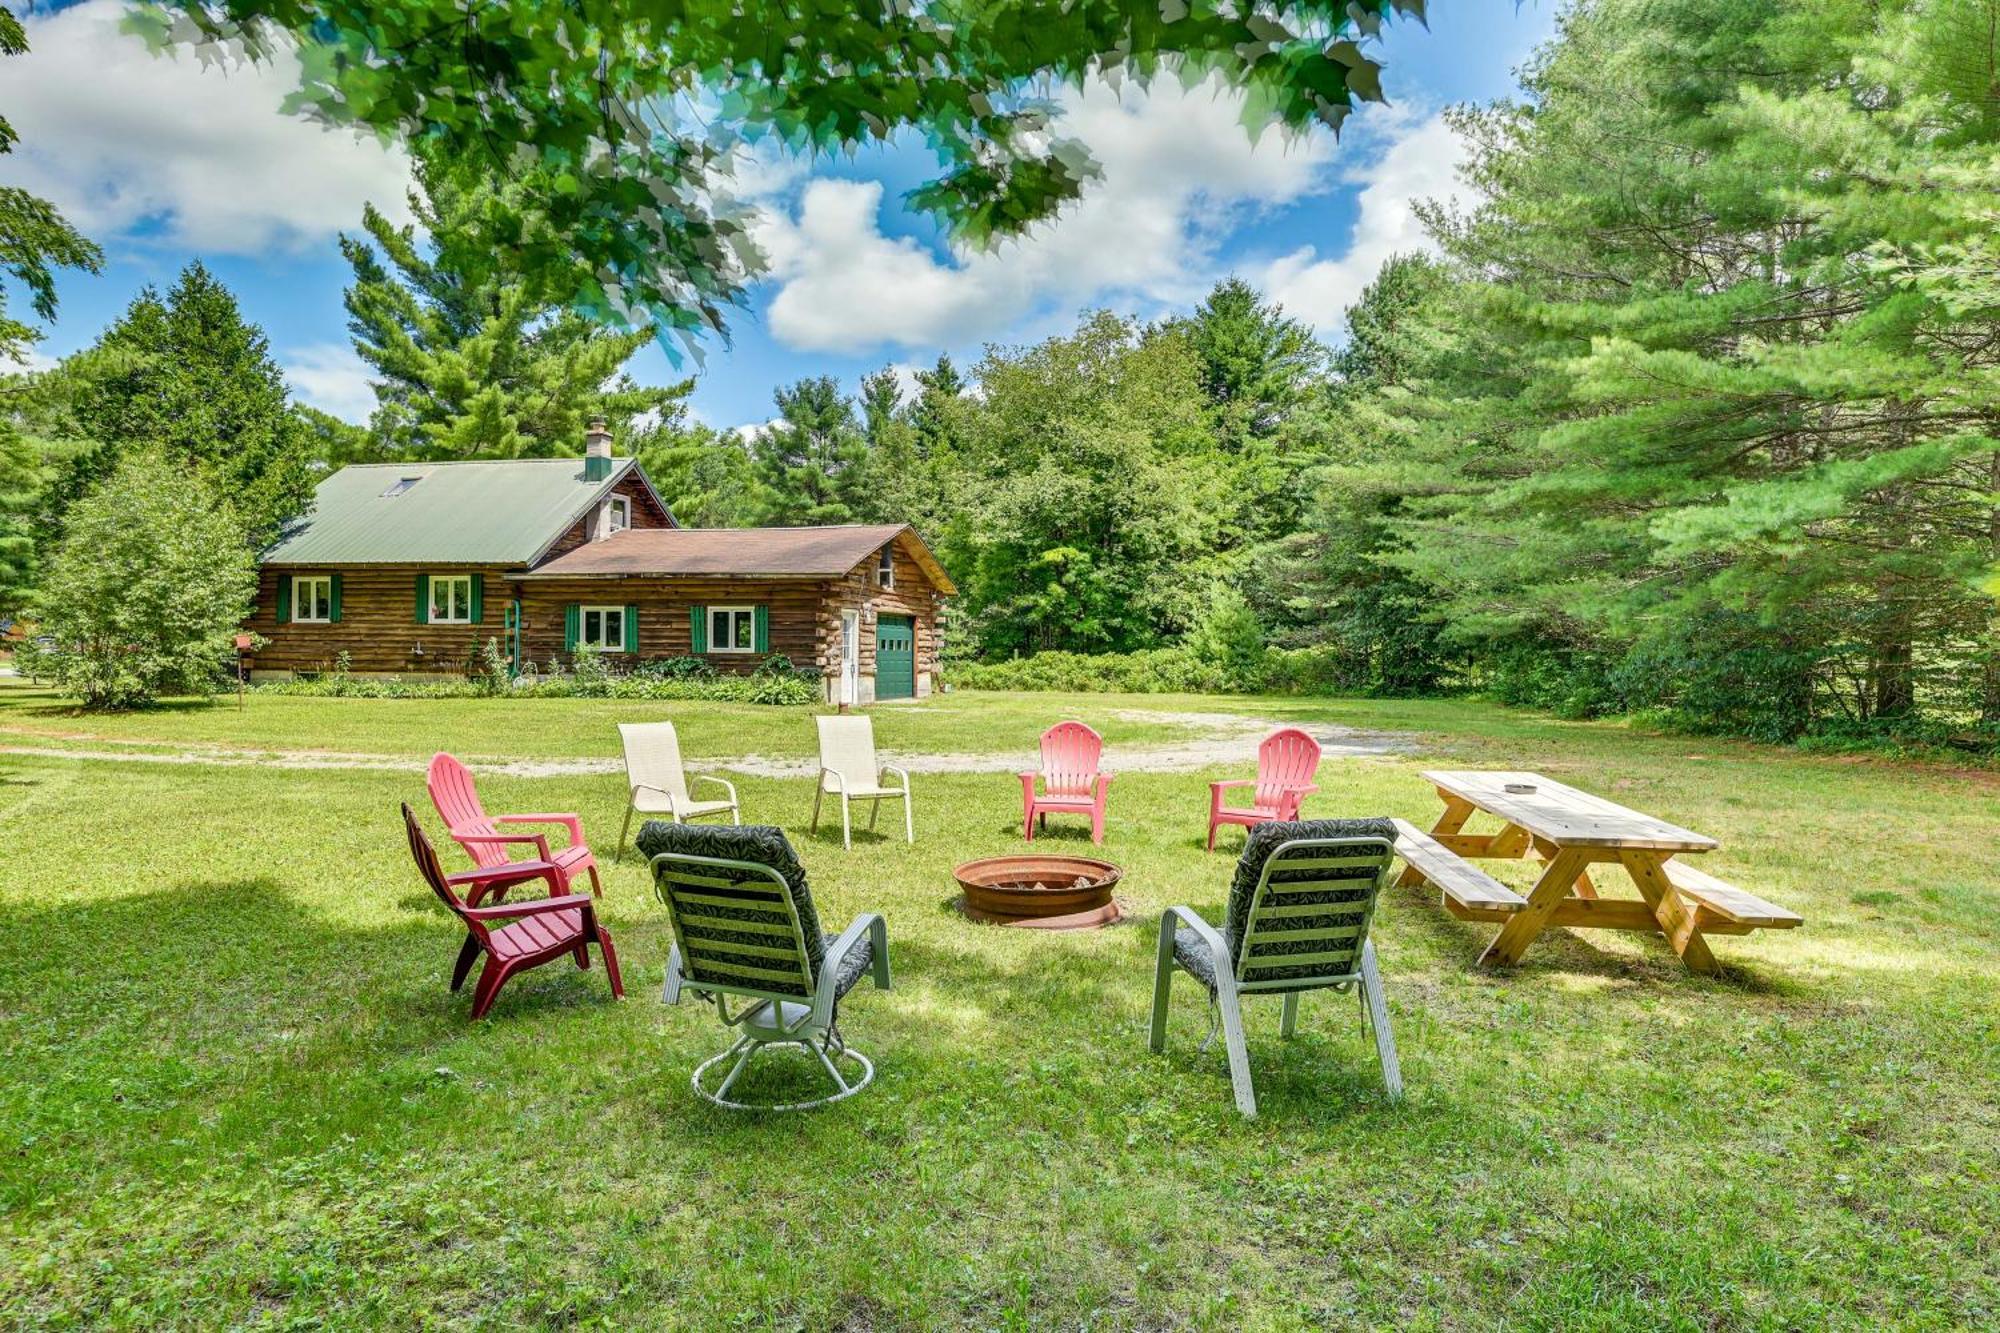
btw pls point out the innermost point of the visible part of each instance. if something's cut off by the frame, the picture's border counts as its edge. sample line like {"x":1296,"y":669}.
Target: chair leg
{"x":1212,"y":821}
{"x":1238,"y":1048}
{"x":1097,"y":824}
{"x":1378,"y":1018}
{"x":819,"y":791}
{"x":1290,"y":1022}
{"x":468,"y":953}
{"x":846,"y":826}
{"x":909,"y":818}
{"x":488,"y":989}
{"x":874,"y":813}
{"x":582,"y":955}
{"x":610,"y":963}
{"x":1163,"y":978}
{"x":596,"y":884}
{"x":623,"y":829}
{"x":736,"y":815}
{"x":1028,"y":821}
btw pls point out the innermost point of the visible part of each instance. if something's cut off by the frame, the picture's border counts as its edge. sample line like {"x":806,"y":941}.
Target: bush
{"x":677,"y":668}
{"x":592,"y":679}
{"x":147,"y":589}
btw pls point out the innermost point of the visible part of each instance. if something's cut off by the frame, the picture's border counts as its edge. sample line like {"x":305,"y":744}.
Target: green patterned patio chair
{"x":1299,"y":911}
{"x":746,"y":931}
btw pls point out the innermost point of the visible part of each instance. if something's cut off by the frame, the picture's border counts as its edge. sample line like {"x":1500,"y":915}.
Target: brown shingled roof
{"x":819,"y":553}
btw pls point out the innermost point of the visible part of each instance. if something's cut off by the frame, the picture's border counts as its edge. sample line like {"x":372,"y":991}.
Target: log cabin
{"x":409,"y":569}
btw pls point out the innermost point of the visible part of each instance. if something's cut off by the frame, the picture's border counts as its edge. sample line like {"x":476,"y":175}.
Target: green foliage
{"x":1719,"y":347}
{"x":811,"y":461}
{"x":145,"y":593}
{"x":584,"y":683}
{"x":1229,"y":639}
{"x":35,"y":241}
{"x":477,"y":359}
{"x":621,"y":122}
{"x":185,"y":375}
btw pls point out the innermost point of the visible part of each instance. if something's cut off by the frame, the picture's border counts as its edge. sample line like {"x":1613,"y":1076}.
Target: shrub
{"x":145,"y":593}
{"x":677,"y":668}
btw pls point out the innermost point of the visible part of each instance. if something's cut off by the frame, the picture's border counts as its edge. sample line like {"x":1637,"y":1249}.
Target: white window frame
{"x":603,"y":614}
{"x":324,"y":582}
{"x":749,"y":614}
{"x":617,"y":514}
{"x":459,"y":598}
{"x":885,"y":567}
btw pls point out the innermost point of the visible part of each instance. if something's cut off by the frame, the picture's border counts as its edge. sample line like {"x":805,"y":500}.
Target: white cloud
{"x":30,"y":362}
{"x":1420,"y":162}
{"x":332,"y":378}
{"x":119,"y":138}
{"x":1178,"y":169}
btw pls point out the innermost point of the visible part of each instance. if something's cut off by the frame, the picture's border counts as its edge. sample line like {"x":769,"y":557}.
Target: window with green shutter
{"x":334,"y":605}
{"x":761,"y":629}
{"x":423,"y":599}
{"x":311,"y":599}
{"x":697,"y":629}
{"x":572,"y":622}
{"x":632,"y":629}
{"x":284,"y":609}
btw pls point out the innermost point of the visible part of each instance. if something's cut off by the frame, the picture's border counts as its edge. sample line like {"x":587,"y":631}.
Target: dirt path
{"x":1222,"y":738}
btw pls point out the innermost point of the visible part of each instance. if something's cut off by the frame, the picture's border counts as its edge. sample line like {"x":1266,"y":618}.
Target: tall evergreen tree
{"x":1256,"y":364}
{"x":934,"y":413}
{"x":186,"y":375}
{"x":474,"y":359}
{"x":811,"y":461}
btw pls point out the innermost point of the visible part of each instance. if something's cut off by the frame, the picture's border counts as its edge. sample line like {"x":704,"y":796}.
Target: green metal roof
{"x":505,"y":512}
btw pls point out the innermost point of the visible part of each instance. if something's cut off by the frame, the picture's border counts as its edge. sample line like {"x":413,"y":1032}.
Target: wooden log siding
{"x":645,"y":514}
{"x":378,"y":622}
{"x":665,"y":628}
{"x":914,"y":596}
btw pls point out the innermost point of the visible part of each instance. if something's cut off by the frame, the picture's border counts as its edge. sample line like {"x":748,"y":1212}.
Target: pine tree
{"x":472,"y":359}
{"x":187,"y":376}
{"x":811,"y":462}
{"x":1256,"y":364}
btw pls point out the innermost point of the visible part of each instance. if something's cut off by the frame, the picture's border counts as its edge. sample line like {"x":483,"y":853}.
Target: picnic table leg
{"x":1456,"y":811}
{"x":1546,"y":850}
{"x":1675,"y":916}
{"x":1549,"y":891}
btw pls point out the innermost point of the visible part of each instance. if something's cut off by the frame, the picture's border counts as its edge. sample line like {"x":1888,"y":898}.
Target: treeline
{"x":1692,"y":414}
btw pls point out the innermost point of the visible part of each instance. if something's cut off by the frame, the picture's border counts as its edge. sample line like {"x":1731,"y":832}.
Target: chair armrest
{"x":540,"y":841}
{"x":839,"y":779}
{"x":902,"y":773}
{"x":724,"y":783}
{"x":1218,"y":948}
{"x":574,"y":823}
{"x":513,"y":872}
{"x":1304,"y":789}
{"x":867,"y":923}
{"x":1232,"y":782}
{"x":533,"y":907}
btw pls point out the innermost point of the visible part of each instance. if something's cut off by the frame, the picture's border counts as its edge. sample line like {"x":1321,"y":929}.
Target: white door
{"x":850,"y":657}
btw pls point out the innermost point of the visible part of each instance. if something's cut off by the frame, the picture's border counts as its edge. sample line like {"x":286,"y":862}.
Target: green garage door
{"x":895,"y":657}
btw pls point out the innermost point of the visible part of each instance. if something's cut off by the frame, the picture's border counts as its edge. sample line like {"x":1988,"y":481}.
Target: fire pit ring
{"x":1040,"y":892}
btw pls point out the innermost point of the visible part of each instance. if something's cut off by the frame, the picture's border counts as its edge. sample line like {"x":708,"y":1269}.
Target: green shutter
{"x":760,"y":628}
{"x":333,"y":608}
{"x":284,"y":599}
{"x":631,"y":629}
{"x":698,"y":629}
{"x":572,"y":626}
{"x":423,"y":599}
{"x":478,"y":598}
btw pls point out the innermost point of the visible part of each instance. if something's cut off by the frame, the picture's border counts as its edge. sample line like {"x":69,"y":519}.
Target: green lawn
{"x":237,"y":1093}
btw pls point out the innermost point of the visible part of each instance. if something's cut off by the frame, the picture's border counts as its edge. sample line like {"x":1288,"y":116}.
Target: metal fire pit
{"x":1040,"y":892}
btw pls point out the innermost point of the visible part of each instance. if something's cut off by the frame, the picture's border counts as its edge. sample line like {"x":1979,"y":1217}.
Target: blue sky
{"x":162,"y":161}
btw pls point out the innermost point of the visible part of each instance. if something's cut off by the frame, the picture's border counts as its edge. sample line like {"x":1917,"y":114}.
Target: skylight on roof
{"x":403,"y":484}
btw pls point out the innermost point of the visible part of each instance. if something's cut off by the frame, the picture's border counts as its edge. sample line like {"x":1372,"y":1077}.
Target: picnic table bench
{"x":1570,"y":831}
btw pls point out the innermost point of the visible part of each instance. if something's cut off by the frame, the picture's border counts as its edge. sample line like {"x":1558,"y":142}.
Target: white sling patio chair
{"x":1299,"y":911}
{"x":659,"y":784}
{"x":847,"y":769}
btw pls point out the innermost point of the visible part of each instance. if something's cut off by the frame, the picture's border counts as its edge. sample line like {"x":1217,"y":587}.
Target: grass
{"x":237,"y":1092}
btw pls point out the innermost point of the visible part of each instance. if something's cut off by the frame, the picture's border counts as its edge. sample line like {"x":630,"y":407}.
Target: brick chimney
{"x":596,"y":451}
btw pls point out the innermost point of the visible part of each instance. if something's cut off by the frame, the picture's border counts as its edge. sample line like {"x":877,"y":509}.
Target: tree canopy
{"x":621,"y":121}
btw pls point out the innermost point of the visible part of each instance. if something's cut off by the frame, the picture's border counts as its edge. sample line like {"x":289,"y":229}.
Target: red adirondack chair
{"x":457,"y":803}
{"x":1286,"y":762}
{"x":537,"y":931}
{"x":1072,"y":783}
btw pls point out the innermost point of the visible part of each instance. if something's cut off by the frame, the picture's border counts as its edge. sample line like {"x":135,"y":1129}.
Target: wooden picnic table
{"x":1570,"y":831}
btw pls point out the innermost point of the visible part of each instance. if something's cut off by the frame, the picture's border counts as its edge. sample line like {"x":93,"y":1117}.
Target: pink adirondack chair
{"x":537,"y":931}
{"x":1286,"y":762}
{"x":457,"y":803}
{"x":1072,"y":782}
